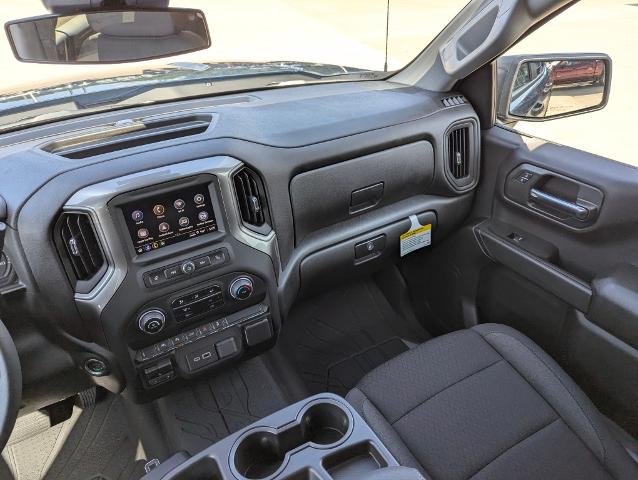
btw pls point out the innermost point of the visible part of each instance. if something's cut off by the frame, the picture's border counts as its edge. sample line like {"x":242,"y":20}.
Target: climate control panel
{"x":197,"y":303}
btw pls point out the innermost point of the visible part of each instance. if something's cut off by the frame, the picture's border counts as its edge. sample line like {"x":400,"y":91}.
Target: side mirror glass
{"x":548,"y":87}
{"x":113,"y":36}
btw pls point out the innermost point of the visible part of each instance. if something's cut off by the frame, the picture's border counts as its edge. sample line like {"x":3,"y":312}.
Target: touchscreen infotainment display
{"x":170,"y":218}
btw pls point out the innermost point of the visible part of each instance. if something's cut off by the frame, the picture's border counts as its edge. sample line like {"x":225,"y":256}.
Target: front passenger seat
{"x":488,"y":403}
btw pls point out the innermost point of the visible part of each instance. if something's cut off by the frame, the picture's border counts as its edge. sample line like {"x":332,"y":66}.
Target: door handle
{"x":557,"y":203}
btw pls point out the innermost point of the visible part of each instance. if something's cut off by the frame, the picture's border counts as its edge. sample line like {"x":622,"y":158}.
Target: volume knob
{"x":151,"y":321}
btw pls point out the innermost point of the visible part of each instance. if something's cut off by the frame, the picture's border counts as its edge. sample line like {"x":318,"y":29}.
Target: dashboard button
{"x":142,"y":233}
{"x":209,"y":291}
{"x":258,"y":332}
{"x":202,"y":262}
{"x":179,"y":204}
{"x":214,"y":301}
{"x":184,"y":221}
{"x":165,"y":345}
{"x":205,"y":329}
{"x":156,"y":278}
{"x":179,"y":340}
{"x":191,"y":335}
{"x":149,"y":352}
{"x":172,"y":272}
{"x":137,"y":216}
{"x":202,"y":216}
{"x":188,"y":267}
{"x":226,"y":348}
{"x":179,"y":302}
{"x":199,"y":198}
{"x":96,"y":367}
{"x":218,"y":258}
{"x":164,"y":227}
{"x":185,"y":310}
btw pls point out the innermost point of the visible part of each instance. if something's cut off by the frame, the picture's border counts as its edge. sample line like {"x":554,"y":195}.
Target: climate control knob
{"x":151,"y":321}
{"x":241,"y":288}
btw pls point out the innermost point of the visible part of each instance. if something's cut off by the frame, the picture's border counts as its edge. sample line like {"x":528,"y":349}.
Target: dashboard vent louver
{"x":251,"y":198}
{"x":459,"y":152}
{"x":453,"y":100}
{"x":79,"y":247}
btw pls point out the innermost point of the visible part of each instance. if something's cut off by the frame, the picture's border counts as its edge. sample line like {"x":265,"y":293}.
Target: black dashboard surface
{"x":279,"y":133}
{"x":283,"y":118}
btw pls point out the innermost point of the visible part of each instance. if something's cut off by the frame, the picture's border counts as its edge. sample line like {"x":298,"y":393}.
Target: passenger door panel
{"x":561,"y":234}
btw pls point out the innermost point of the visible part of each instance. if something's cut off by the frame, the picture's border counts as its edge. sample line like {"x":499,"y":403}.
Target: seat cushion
{"x":488,"y":403}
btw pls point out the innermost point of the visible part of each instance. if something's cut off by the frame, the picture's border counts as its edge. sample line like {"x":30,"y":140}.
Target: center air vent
{"x":80,"y":250}
{"x":251,"y":200}
{"x":458,"y":152}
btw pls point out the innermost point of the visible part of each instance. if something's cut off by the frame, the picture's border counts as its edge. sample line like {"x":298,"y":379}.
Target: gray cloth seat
{"x":488,"y":403}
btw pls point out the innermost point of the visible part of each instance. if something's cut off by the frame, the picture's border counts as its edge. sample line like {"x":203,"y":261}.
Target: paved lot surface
{"x":352,"y":32}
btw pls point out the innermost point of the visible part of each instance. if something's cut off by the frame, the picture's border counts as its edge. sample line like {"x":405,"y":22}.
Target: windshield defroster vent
{"x":129,"y":134}
{"x":80,"y":250}
{"x":453,"y":100}
{"x":251,"y":199}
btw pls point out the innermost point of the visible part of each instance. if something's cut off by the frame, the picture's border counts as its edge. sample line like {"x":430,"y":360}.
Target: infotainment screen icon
{"x":169,"y":218}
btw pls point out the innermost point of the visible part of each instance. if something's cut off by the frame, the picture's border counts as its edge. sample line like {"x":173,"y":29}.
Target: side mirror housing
{"x":108,"y":36}
{"x":535,"y":88}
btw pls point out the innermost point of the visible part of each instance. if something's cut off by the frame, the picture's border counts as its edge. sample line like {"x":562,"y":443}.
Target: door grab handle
{"x":571,"y":208}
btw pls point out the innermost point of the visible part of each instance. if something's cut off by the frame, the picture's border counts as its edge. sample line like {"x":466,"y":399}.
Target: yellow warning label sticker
{"x":419,"y":236}
{"x":412,"y":233}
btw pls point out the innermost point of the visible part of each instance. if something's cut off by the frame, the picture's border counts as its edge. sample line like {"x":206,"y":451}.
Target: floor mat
{"x":201,"y":414}
{"x":336,"y":338}
{"x":95,"y":443}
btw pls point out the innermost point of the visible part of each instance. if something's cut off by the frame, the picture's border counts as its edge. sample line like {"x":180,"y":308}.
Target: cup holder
{"x":261,"y":453}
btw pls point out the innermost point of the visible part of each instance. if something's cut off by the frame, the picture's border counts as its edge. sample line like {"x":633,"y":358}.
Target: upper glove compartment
{"x":335,"y":193}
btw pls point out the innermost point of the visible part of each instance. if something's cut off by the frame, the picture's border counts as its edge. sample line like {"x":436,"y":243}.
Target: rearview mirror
{"x":537,"y":88}
{"x":113,"y":36}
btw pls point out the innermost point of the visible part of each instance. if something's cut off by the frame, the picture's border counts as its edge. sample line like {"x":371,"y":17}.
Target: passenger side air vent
{"x":458,"y":152}
{"x":462,"y":150}
{"x":80,"y":250}
{"x":128,"y":134}
{"x":251,"y":199}
{"x":453,"y":100}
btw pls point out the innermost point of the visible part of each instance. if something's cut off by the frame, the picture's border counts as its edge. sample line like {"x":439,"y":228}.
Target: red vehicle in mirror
{"x":578,"y":71}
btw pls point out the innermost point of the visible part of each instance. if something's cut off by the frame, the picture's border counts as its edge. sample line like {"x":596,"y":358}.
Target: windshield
{"x":255,"y":44}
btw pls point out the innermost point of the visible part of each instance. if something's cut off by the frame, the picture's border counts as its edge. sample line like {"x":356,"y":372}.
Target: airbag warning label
{"x":417,"y":237}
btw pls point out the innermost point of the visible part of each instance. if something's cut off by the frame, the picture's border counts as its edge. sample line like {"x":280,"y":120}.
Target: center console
{"x":321,"y":437}
{"x":188,"y":288}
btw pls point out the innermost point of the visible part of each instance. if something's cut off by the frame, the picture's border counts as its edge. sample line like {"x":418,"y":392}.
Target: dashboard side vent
{"x":80,"y":250}
{"x":453,"y":100}
{"x":251,"y":199}
{"x":458,"y":152}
